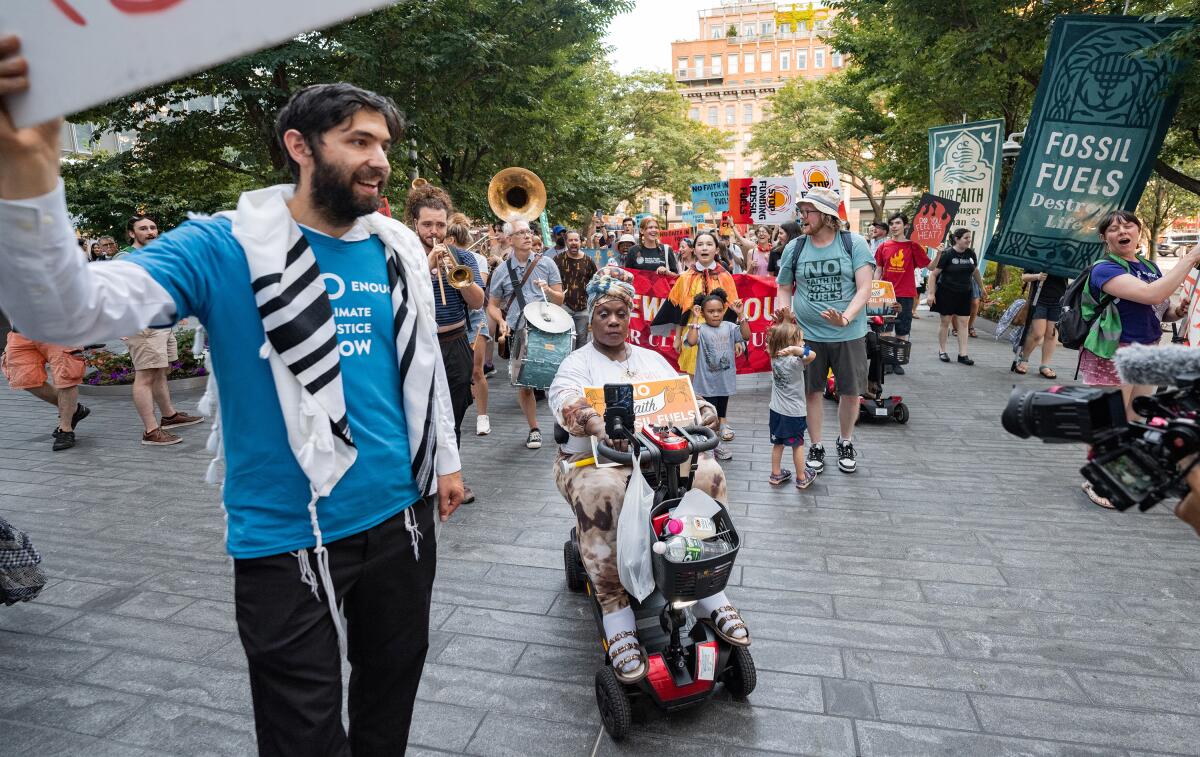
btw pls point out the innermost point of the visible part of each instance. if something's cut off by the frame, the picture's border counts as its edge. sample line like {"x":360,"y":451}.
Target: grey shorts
{"x":848,"y":360}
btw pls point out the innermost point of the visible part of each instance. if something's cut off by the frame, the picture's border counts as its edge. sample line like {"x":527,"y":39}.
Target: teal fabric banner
{"x":1098,"y":121}
{"x":964,"y":165}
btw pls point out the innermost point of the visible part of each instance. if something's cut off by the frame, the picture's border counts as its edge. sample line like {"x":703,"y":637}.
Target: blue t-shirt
{"x":825,"y":279}
{"x":266,"y":493}
{"x":1141,"y":324}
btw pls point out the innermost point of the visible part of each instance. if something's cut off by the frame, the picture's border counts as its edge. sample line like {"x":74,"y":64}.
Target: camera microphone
{"x":1157,"y":366}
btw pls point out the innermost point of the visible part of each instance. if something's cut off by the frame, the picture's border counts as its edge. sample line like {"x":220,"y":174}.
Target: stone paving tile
{"x":887,"y":608}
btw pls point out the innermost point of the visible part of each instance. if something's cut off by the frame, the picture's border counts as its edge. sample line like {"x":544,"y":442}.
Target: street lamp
{"x":1012,"y":146}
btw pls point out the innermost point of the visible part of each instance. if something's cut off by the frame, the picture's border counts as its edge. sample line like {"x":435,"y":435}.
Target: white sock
{"x":618,"y":622}
{"x":709,"y":605}
{"x":844,"y":441}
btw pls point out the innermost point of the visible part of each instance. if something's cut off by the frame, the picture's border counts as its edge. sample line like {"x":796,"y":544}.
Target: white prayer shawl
{"x":302,"y":351}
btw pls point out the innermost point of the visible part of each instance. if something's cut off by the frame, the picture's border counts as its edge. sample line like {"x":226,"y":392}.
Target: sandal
{"x":804,"y":480}
{"x":1020,"y":366}
{"x":724,"y":621}
{"x":943,"y":357}
{"x":780,"y":478}
{"x":971,"y":332}
{"x":1047,"y":372}
{"x":1095,"y":497}
{"x":625,"y":673}
{"x":727,"y":434}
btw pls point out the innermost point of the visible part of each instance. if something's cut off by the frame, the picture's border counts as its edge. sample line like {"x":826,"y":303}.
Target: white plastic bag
{"x":633,"y":536}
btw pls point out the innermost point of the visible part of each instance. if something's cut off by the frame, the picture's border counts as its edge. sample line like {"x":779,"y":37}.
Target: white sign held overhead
{"x":85,"y":52}
{"x":819,"y":173}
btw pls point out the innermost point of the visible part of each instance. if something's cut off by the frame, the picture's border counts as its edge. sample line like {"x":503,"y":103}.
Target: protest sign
{"x":599,"y":255}
{"x":711,"y":197}
{"x":883,"y":298}
{"x":756,"y":292}
{"x":665,"y":402}
{"x":173,"y":38}
{"x":964,"y":166}
{"x":1098,"y":121}
{"x":692,"y":218}
{"x":932,"y":220}
{"x":767,"y":199}
{"x":819,"y":173}
{"x":672,"y":237}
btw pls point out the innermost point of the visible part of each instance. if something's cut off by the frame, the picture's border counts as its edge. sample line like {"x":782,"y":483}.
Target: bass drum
{"x":543,"y":344}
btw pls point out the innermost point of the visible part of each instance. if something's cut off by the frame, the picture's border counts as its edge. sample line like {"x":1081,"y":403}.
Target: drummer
{"x":518,"y":281}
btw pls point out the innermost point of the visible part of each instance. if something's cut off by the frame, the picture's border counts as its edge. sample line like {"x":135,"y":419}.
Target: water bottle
{"x":687,"y":549}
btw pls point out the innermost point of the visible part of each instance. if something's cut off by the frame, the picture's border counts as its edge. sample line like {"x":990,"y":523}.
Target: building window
{"x":747,"y":30}
{"x":749,"y":63}
{"x":836,"y":60}
{"x":730,"y":115}
{"x":698,"y":66}
{"x":748,"y":113}
{"x":801,"y":60}
{"x":694,"y":114}
{"x":83,"y":137}
{"x":716,"y":32}
{"x":716,"y":65}
{"x":732,"y":61}
{"x":712,"y":115}
{"x":767,"y":27}
{"x":785,"y":60}
{"x":681,"y":68}
{"x":785,"y":28}
{"x":764,"y":63}
{"x":819,"y":58}
{"x":729,"y":170}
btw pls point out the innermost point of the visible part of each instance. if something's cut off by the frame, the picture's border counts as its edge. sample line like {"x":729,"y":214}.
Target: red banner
{"x":757,"y":294}
{"x":672,"y":237}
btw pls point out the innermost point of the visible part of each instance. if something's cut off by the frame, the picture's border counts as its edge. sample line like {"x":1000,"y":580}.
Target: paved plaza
{"x":957,"y":596}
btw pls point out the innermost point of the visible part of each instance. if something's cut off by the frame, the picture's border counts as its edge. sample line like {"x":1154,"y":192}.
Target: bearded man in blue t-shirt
{"x":335,"y":420}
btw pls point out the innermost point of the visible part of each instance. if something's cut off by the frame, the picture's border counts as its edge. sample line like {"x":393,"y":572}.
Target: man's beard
{"x":333,"y":193}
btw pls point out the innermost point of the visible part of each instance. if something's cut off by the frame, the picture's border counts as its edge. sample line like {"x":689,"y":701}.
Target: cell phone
{"x":618,"y":410}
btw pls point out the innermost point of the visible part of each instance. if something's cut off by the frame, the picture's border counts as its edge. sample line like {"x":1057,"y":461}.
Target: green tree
{"x":1162,"y":202}
{"x":484,"y":84}
{"x":830,"y":119}
{"x":658,"y":148}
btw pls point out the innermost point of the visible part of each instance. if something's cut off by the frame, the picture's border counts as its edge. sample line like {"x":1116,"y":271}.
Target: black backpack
{"x":802,"y":240}
{"x":1073,"y":328}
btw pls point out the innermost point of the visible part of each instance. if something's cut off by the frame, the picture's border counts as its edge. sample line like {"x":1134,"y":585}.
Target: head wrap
{"x":610,"y":283}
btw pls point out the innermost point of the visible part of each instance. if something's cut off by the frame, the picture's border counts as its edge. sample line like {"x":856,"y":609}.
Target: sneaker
{"x":780,"y":478}
{"x":489,"y":370}
{"x":816,"y":459}
{"x":898,"y":370}
{"x":846,"y":455}
{"x":965,"y":360}
{"x":483,"y":425}
{"x":159,"y":438}
{"x":180,"y":419}
{"x":534,"y":440}
{"x":81,"y":412}
{"x":805,"y":480}
{"x":722,"y":452}
{"x":468,"y":495}
{"x":63,"y":440}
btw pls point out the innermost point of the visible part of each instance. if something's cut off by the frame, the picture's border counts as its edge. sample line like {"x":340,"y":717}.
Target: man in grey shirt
{"x":542,"y":282}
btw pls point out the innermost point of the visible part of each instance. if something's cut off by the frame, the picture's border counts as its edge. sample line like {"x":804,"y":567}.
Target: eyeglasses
{"x":810,"y":212}
{"x":521,"y":232}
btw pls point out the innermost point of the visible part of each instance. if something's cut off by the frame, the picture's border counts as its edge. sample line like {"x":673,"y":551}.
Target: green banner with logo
{"x":1098,"y":121}
{"x":964,"y":166}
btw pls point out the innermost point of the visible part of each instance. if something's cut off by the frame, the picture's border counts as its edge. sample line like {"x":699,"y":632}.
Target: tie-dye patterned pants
{"x":596,"y":495}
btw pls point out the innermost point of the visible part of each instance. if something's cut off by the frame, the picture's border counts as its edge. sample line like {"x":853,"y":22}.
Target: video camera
{"x":1131,"y":462}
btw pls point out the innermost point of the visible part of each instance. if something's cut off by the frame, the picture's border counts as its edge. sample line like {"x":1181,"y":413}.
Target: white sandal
{"x":725,"y":621}
{"x":628,"y":659}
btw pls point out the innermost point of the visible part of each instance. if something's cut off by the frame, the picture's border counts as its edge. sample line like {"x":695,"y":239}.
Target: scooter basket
{"x":894,"y":351}
{"x":688,"y":581}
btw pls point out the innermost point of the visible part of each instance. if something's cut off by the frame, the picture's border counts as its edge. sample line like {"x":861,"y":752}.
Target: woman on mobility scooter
{"x":597,"y":494}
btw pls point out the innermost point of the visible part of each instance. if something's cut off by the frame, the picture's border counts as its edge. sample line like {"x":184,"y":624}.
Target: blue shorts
{"x":476,"y":325}
{"x":787,"y":431}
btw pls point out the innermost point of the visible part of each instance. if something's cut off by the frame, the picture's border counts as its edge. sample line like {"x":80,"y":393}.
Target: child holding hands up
{"x":788,"y":410}
{"x":721,"y":343}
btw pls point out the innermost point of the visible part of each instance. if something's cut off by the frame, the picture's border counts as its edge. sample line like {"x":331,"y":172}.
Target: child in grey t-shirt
{"x":721,"y":344}
{"x":788,"y":410}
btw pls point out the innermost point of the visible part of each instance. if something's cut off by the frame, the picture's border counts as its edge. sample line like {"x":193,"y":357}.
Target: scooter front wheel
{"x":615,"y":710}
{"x":740,"y":675}
{"x":900,"y":413}
{"x":573,"y":566}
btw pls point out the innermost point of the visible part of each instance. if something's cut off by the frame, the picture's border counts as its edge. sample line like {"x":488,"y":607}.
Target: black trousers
{"x":292,"y":649}
{"x":460,"y":365}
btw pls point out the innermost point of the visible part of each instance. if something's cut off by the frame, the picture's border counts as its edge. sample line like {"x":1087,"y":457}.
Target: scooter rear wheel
{"x":573,"y":566}
{"x":740,"y":676}
{"x":900,"y":413}
{"x":615,"y":710}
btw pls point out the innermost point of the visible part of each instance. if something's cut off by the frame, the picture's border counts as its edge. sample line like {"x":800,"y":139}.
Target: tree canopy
{"x":483,"y":84}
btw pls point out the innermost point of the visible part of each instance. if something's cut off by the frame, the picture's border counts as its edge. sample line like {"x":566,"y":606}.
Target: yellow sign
{"x":801,"y":14}
{"x":666,"y":402}
{"x":883,"y":298}
{"x":702,"y":207}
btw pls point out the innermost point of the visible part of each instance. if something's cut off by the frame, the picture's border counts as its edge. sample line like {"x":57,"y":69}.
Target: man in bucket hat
{"x":825,"y":276}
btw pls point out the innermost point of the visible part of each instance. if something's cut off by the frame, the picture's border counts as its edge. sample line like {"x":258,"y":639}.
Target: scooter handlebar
{"x":616,"y":456}
{"x":710,"y":441}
